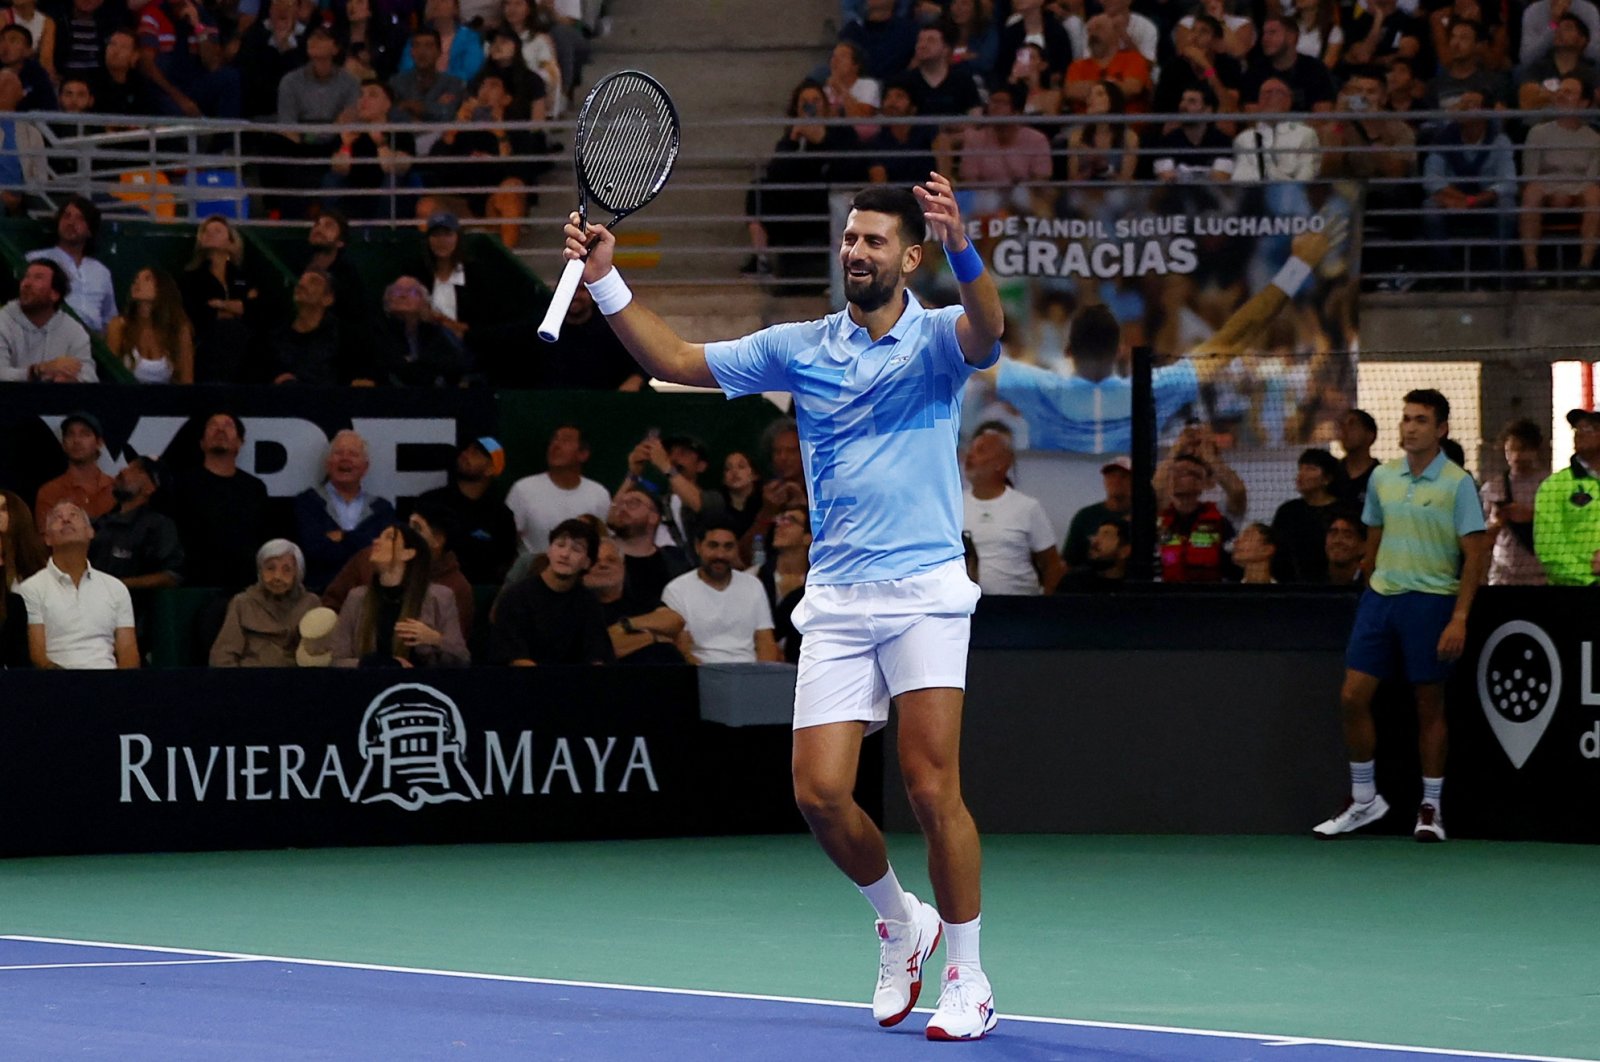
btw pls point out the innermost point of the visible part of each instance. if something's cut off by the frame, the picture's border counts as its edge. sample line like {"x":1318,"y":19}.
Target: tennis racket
{"x":624,"y":148}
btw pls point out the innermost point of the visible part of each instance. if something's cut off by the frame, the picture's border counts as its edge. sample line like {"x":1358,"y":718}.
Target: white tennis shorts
{"x":866,"y":643}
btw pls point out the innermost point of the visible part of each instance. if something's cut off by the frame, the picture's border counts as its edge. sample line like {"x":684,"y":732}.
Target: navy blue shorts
{"x":1406,"y":626}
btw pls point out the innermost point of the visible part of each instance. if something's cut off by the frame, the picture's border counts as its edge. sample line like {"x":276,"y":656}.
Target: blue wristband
{"x":967,"y":265}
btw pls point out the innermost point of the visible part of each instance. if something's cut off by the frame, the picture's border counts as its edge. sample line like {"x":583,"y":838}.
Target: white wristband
{"x":1288,"y":280}
{"x":611,"y":293}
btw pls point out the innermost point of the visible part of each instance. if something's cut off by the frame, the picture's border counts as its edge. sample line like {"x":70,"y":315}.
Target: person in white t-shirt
{"x":78,"y":618}
{"x":1016,"y":545}
{"x":561,"y":492}
{"x":726,"y":618}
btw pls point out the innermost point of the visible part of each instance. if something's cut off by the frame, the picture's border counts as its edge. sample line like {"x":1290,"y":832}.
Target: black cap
{"x":1574,"y":416}
{"x":84,"y":417}
{"x":688,"y":442}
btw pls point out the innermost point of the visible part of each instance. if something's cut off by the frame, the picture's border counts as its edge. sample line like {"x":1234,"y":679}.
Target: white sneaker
{"x":966,"y":1007}
{"x":1430,"y":824}
{"x":1353,"y":817}
{"x":903,"y":948}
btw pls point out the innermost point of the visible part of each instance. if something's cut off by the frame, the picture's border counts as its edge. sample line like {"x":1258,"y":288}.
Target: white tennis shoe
{"x":1430,"y":824}
{"x":966,"y":1007}
{"x":1353,"y":817}
{"x":903,"y":949}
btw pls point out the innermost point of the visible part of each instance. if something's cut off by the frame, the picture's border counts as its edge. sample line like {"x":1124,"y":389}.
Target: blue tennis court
{"x":80,"y":999}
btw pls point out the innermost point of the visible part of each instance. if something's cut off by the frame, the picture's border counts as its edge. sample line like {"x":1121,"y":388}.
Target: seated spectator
{"x":738,"y":491}
{"x":1236,"y":34}
{"x":552,"y":617}
{"x":422,"y":92}
{"x":1016,"y":544}
{"x":1103,"y":151}
{"x":1405,"y":89}
{"x":310,"y":349}
{"x":586,"y":356}
{"x":439,"y":532}
{"x":1111,"y":58}
{"x":561,"y":492}
{"x":154,"y":339}
{"x":318,"y":93}
{"x":937,"y":87}
{"x":539,"y":49}
{"x":784,"y":488}
{"x":119,"y":87}
{"x":401,"y":618}
{"x":1508,"y":507}
{"x":899,"y":153}
{"x":93,"y":295}
{"x":75,"y":96}
{"x":83,"y":32}
{"x":1462,"y":71}
{"x":888,"y":39}
{"x":181,"y":56}
{"x":783,"y":576}
{"x":1539,"y":81}
{"x":371,"y":159}
{"x":1494,"y":50}
{"x":1138,"y":31}
{"x":1117,"y":476}
{"x":1366,"y":91}
{"x":328,"y":252}
{"x":1561,"y":164}
{"x":1195,"y":150}
{"x":412,"y":348}
{"x":1253,"y":553}
{"x":16,"y":55}
{"x":1032,"y":83}
{"x":1346,"y":546}
{"x":850,"y":93}
{"x":669,"y":470}
{"x":496,"y":151}
{"x":1030,"y":23}
{"x":1000,"y":162}
{"x":22,"y":553}
{"x":83,"y":483}
{"x":1384,"y":33}
{"x":1192,"y":534}
{"x":1309,"y":85}
{"x":1357,"y":432}
{"x":262,"y":625}
{"x":635,"y":518}
{"x":134,"y":542}
{"x":220,"y":300}
{"x":485,"y":535}
{"x":1321,"y":36}
{"x":1300,"y":526}
{"x":39,"y":342}
{"x":806,"y":160}
{"x":269,"y":51}
{"x":78,"y":618}
{"x":220,"y":509}
{"x":977,"y":39}
{"x":460,"y":48}
{"x":527,"y":97}
{"x":456,"y":282}
{"x":724,"y":611}
{"x":1541,"y":25}
{"x":1105,"y":565}
{"x":1201,"y":64}
{"x":1470,"y":179}
{"x":372,"y":40}
{"x":24,"y":164}
{"x":643,"y":639}
{"x":1276,"y":151}
{"x":336,"y":521}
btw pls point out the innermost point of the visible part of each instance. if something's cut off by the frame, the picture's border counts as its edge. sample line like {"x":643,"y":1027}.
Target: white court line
{"x":103,"y":965}
{"x":1266,"y":1039}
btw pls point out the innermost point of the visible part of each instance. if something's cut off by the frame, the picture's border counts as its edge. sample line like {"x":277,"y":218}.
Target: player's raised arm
{"x":653,"y":344}
{"x":985,"y":320}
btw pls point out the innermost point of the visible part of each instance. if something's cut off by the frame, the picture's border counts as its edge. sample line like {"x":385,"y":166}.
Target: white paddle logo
{"x":1519,"y":685}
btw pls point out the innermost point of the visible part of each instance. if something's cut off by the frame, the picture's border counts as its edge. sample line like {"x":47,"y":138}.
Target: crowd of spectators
{"x":1374,"y":61}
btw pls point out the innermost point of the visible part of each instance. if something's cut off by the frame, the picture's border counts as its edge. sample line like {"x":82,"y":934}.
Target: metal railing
{"x":179,"y":170}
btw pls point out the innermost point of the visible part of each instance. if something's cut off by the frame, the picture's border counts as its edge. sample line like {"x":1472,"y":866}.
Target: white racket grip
{"x":566,"y":287}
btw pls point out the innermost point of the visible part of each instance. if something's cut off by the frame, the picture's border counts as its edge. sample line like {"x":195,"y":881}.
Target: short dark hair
{"x":1203,"y":19}
{"x":17,"y":27}
{"x":1427,"y":396}
{"x":80,"y":79}
{"x":438,"y":515}
{"x":899,"y":204}
{"x":1576,"y":21}
{"x":60,"y":283}
{"x":1366,"y":420}
{"x":946,"y":29}
{"x":1351,"y":516}
{"x":238,"y":425}
{"x":1369,"y":72}
{"x":1207,"y":97}
{"x":583,"y":440}
{"x":1287,"y":22}
{"x":427,"y":31}
{"x":339,"y":219}
{"x":1524,"y":431}
{"x":379,"y":84}
{"x":1264,"y":530}
{"x":716,"y":523}
{"x":1094,"y":334}
{"x":687,"y":442}
{"x":1322,"y":460}
{"x":321,"y":31}
{"x":577,"y":530}
{"x":1478,"y":32}
{"x":1124,"y":531}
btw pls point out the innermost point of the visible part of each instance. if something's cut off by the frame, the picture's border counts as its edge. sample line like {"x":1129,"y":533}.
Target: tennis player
{"x":888,"y":605}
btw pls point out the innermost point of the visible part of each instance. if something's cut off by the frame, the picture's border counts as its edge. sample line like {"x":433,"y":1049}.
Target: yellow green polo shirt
{"x":1424,"y":517}
{"x":1566,"y":526}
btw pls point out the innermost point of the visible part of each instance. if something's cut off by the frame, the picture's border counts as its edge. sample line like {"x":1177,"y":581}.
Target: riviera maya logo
{"x":412,"y":739}
{"x":1519,"y":686}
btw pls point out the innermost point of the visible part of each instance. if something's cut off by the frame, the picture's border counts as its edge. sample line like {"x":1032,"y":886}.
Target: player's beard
{"x":871,"y":292}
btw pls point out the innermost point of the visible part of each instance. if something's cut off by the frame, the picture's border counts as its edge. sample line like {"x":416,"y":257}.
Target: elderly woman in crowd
{"x":401,"y":618}
{"x":262,"y":625}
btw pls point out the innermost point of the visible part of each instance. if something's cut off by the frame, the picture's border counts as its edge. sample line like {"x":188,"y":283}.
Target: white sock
{"x":961,"y":944}
{"x":1362,"y":788}
{"x":888,"y":898}
{"x":1433,"y":792}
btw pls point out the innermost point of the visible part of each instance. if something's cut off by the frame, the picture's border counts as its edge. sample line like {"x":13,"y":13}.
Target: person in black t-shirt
{"x":899,"y":154}
{"x":118,"y":86}
{"x":1357,"y":432}
{"x":1194,"y":151}
{"x":485,"y":541}
{"x":586,"y":356}
{"x":551,"y":618}
{"x":936,"y":87}
{"x":220,"y":509}
{"x":634,"y":518}
{"x":1202,"y":64}
{"x":1310,"y":84}
{"x":1381,"y":32}
{"x":1300,"y":526}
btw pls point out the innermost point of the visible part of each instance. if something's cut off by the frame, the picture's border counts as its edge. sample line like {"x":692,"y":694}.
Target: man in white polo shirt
{"x":78,"y":618}
{"x":724,"y":611}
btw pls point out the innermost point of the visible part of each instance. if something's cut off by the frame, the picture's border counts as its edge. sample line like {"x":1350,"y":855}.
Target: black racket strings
{"x":630,"y":144}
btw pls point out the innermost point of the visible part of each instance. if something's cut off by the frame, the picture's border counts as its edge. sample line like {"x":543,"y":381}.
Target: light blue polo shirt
{"x":879,"y":426}
{"x":1085,"y":417}
{"x":1424,"y":517}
